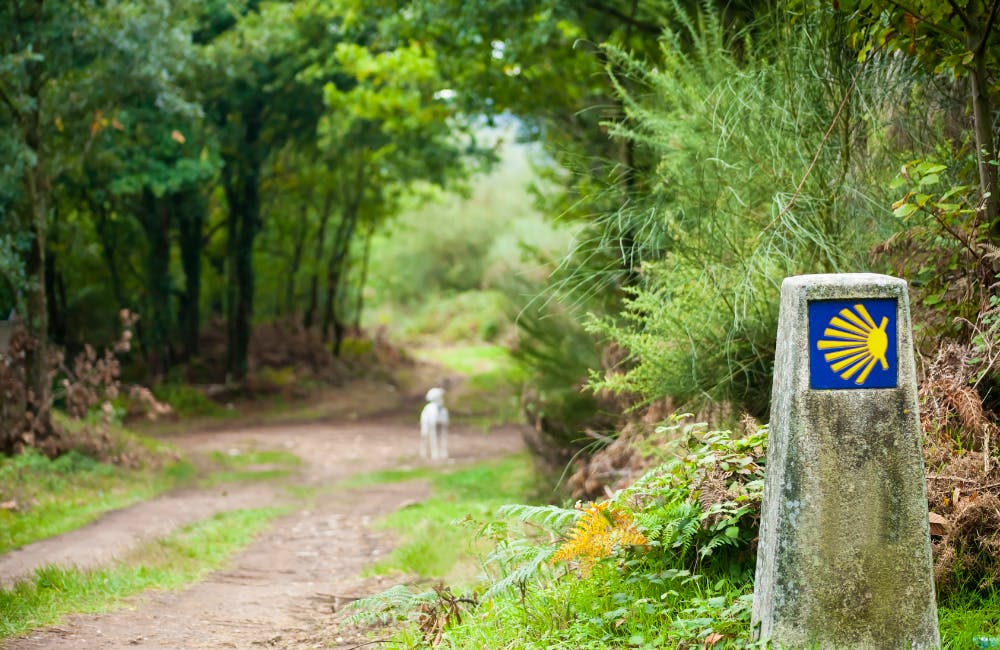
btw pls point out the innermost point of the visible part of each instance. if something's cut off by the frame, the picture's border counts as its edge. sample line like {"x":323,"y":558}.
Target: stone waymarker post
{"x":844,"y":559}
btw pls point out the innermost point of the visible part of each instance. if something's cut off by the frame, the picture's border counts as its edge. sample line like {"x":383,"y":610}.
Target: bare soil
{"x":287,"y":589}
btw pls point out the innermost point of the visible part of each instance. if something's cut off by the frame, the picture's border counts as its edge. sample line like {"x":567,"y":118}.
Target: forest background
{"x":270,"y":185}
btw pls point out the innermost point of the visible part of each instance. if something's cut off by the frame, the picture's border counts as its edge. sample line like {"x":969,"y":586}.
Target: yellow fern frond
{"x":600,"y":530}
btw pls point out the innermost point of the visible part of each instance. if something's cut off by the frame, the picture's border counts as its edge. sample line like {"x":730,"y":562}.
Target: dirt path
{"x":282,"y":591}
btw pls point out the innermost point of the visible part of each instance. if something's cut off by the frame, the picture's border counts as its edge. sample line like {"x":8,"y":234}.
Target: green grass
{"x":50,"y":497}
{"x":169,"y":563}
{"x":471,"y":360}
{"x":967,"y":615}
{"x":388,"y":476}
{"x":45,"y":497}
{"x":435,"y":542}
{"x":252,"y":465}
{"x":187,"y":401}
{"x":610,"y":608}
{"x":248,"y":459}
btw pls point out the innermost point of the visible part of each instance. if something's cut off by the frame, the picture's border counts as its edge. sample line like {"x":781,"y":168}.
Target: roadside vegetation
{"x":168,"y":563}
{"x":753,"y":146}
{"x":440,"y":536}
{"x":588,"y":206}
{"x":43,"y":497}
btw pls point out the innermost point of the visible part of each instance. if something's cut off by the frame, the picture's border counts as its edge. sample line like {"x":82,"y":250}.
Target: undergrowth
{"x":169,"y":563}
{"x":187,"y":401}
{"x":439,"y":532}
{"x":666,"y":563}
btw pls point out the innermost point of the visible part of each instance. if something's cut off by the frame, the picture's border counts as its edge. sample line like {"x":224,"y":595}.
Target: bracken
{"x":600,"y":530}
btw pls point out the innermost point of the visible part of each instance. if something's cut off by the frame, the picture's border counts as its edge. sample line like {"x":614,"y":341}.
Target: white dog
{"x":434,"y":426}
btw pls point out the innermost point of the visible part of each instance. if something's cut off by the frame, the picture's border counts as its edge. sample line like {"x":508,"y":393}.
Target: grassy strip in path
{"x":168,"y":563}
{"x":436,"y":544}
{"x":250,"y":465}
{"x":42,"y":497}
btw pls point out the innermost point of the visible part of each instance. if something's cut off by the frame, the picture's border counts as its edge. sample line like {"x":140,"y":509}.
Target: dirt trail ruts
{"x":281,"y":591}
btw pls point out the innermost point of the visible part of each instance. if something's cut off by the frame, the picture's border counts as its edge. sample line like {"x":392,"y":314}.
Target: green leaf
{"x":930,"y":301}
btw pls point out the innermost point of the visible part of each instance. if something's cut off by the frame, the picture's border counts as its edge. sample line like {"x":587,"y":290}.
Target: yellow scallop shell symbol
{"x":856,"y":344}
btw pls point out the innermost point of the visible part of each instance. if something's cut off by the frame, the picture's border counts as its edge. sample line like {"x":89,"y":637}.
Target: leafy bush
{"x":705,"y":499}
{"x":479,"y":315}
{"x":557,"y":353}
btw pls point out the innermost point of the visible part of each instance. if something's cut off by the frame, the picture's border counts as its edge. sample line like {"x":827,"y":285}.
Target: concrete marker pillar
{"x":844,"y":558}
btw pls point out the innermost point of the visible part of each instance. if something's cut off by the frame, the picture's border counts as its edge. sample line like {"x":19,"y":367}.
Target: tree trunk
{"x":324,"y":219}
{"x":986,"y":153}
{"x":333,"y":322}
{"x":359,"y":301}
{"x":159,"y":317}
{"x":332,"y":319}
{"x":36,"y":359}
{"x":241,"y":181}
{"x":191,"y":211}
{"x":36,"y":364}
{"x":330,"y":306}
{"x":296,"y":262}
{"x":108,"y":252}
{"x":55,"y":295}
{"x":244,"y":217}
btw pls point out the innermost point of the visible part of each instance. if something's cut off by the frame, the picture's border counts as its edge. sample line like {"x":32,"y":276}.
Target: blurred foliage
{"x":446,"y":269}
{"x":772,"y":161}
{"x":175,"y":158}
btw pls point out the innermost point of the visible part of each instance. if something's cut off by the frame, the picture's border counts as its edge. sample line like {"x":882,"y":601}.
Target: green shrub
{"x":460,"y":317}
{"x":557,"y":354}
{"x":770,"y":161}
{"x":187,"y":401}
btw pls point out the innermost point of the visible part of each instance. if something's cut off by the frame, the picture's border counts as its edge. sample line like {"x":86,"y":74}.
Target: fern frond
{"x":394,"y":603}
{"x":601,"y":529}
{"x":551,"y":517}
{"x":717,"y":541}
{"x":683,"y":524}
{"x":522,"y":573}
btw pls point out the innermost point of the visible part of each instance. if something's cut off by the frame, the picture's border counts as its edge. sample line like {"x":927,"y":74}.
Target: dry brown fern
{"x":434,"y":617}
{"x":951,"y":409}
